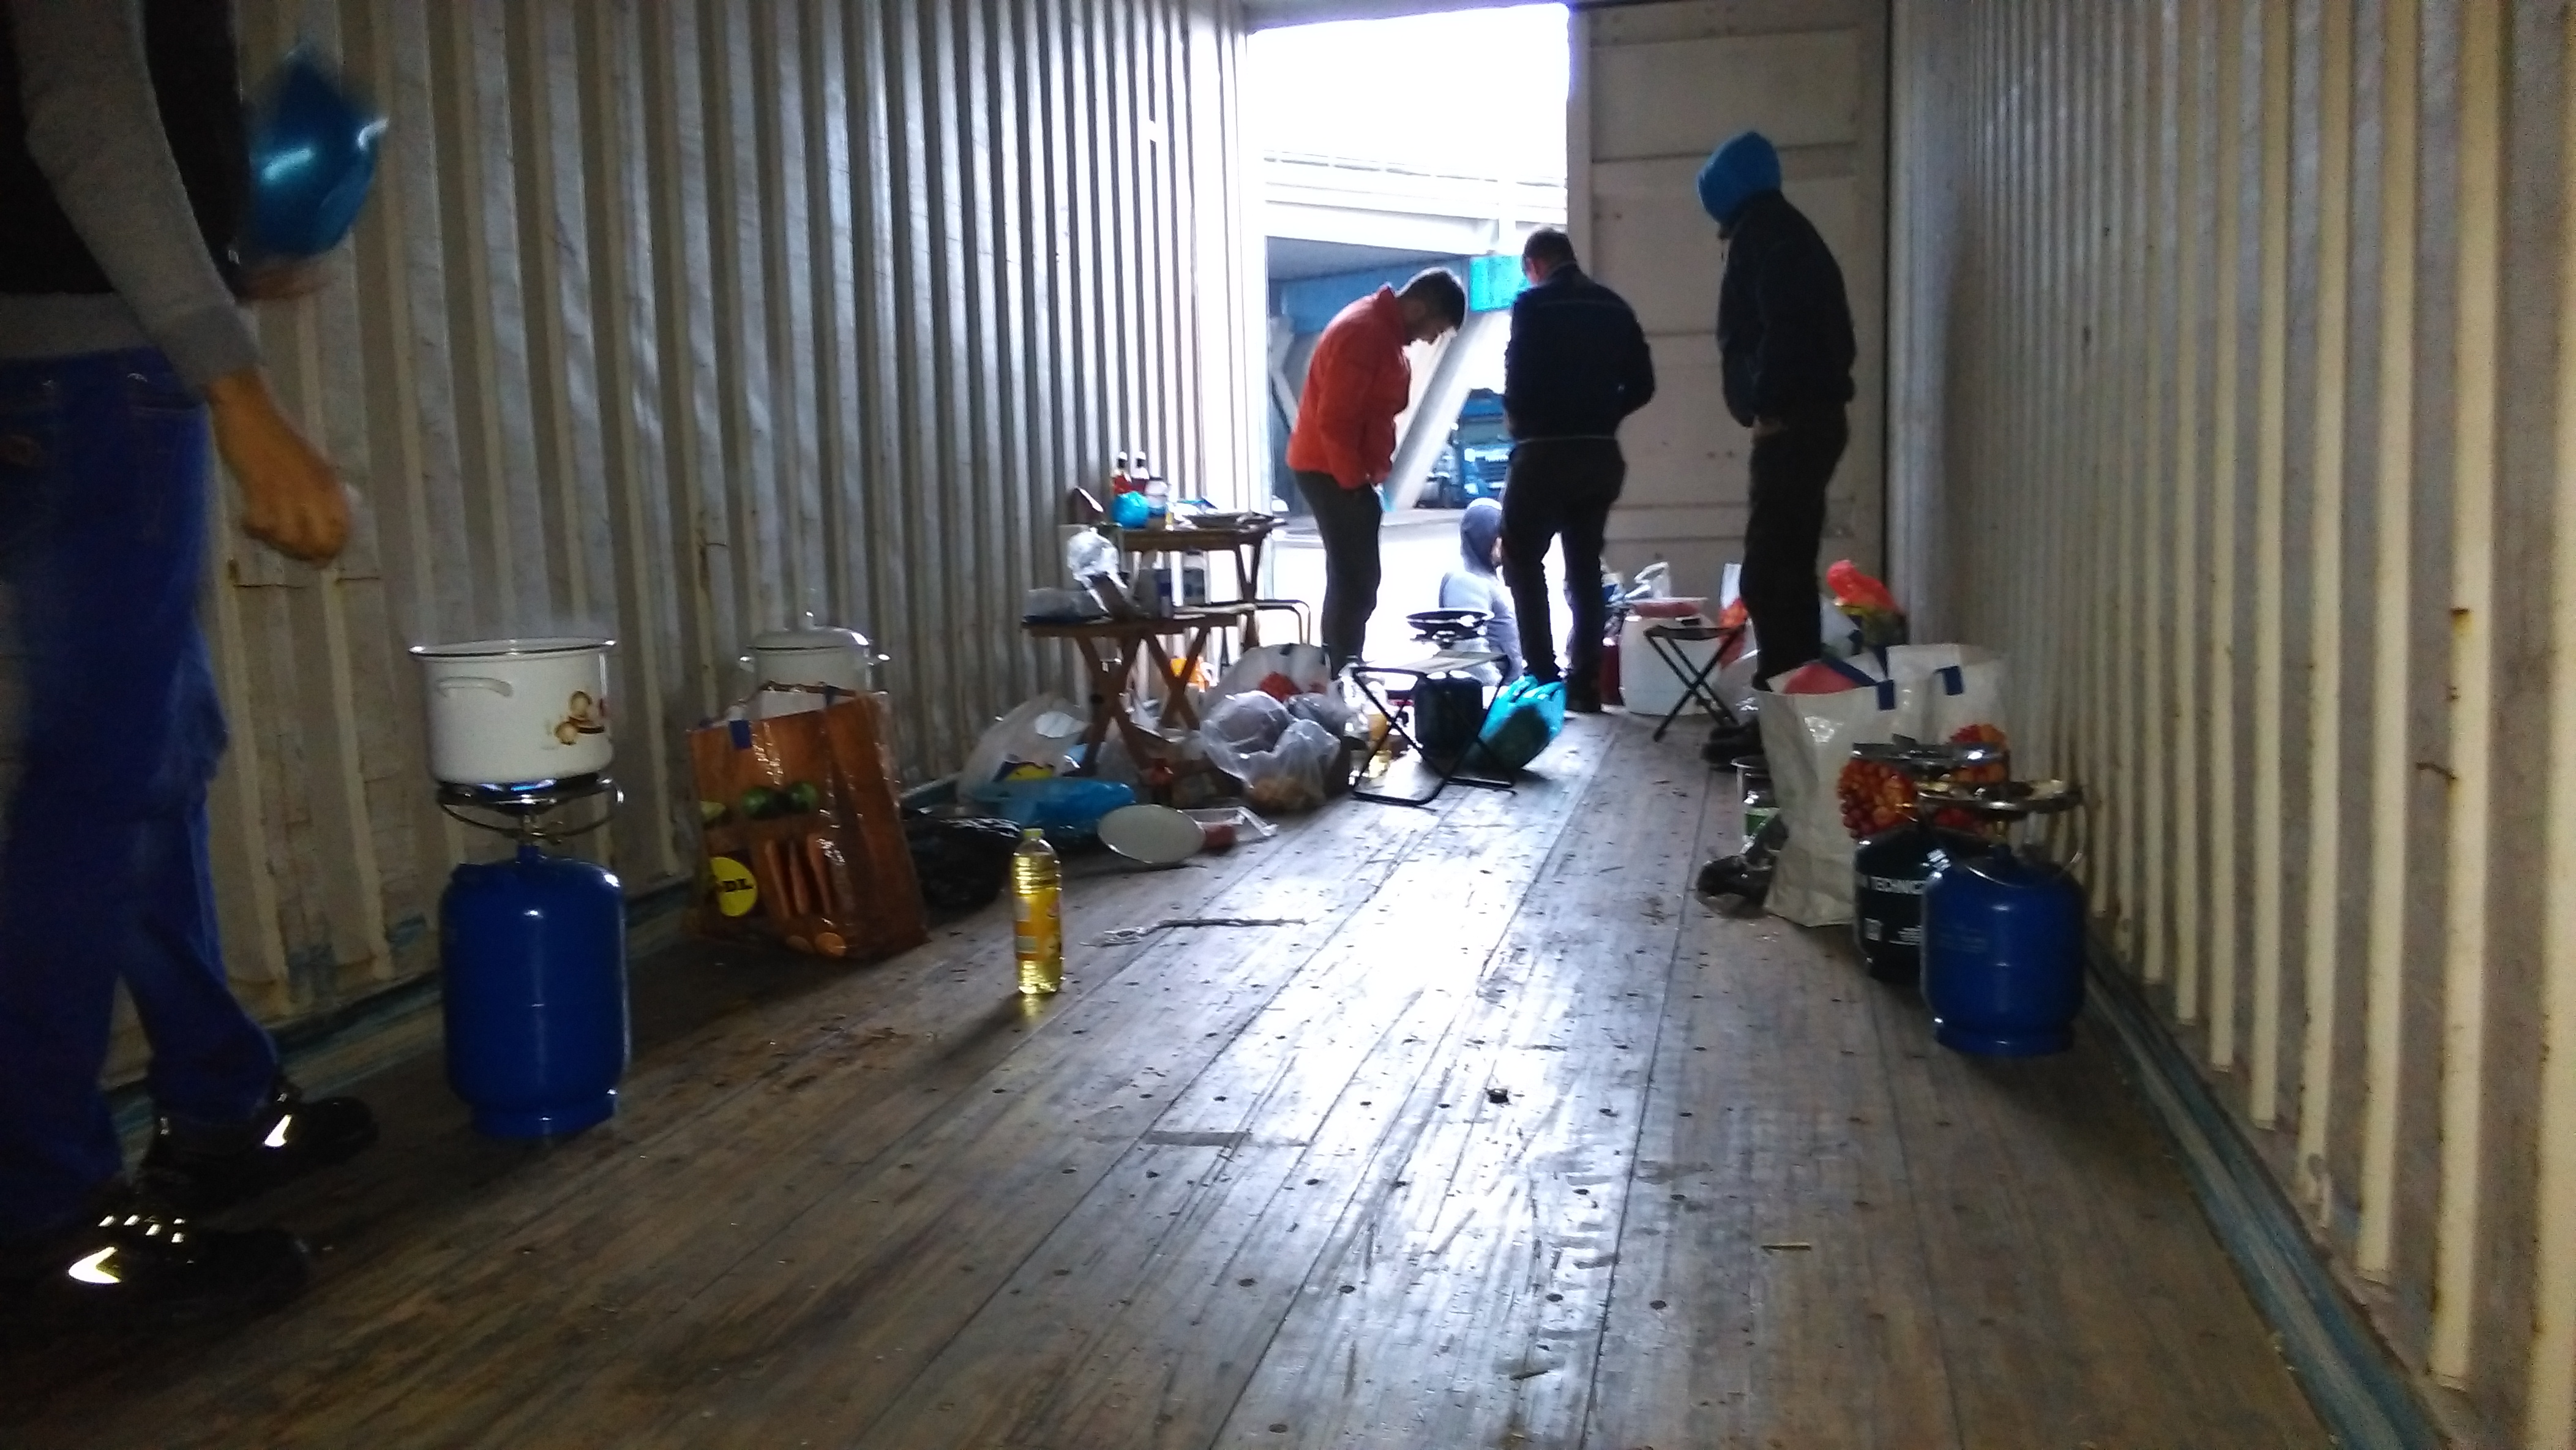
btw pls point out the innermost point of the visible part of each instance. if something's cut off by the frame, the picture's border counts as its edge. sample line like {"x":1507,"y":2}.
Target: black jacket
{"x":1577,"y":363}
{"x":1784,"y":328}
{"x":188,"y":45}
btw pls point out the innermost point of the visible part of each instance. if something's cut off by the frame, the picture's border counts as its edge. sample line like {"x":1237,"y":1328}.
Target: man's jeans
{"x":1561,"y":489}
{"x":103,"y":876}
{"x":1790,"y":471}
{"x":1346,"y":521}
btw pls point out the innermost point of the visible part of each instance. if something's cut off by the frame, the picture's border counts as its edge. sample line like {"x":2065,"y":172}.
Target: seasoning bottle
{"x":1158,"y":494}
{"x":1037,"y":906}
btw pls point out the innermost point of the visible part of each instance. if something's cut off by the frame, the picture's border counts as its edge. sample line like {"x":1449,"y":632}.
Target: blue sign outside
{"x":1492,"y":283}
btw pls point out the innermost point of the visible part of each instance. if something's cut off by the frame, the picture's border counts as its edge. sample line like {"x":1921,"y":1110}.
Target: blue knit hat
{"x":1737,"y":172}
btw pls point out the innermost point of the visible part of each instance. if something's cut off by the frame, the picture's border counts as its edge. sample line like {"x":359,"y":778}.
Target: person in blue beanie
{"x":1784,"y":335}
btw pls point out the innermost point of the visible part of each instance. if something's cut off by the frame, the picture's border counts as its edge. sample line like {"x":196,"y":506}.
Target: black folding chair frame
{"x":1455,"y":773}
{"x":1666,"y":641}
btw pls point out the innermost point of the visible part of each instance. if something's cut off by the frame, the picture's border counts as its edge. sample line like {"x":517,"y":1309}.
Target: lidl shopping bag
{"x":1808,"y":740}
{"x":803,"y":833}
{"x":1952,"y":694}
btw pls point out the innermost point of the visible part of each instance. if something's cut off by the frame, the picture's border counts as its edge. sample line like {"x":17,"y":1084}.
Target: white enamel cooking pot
{"x":514,"y":711}
{"x":816,"y":655}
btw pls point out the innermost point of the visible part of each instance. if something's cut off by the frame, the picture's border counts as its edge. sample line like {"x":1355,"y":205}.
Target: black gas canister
{"x":1890,"y":872}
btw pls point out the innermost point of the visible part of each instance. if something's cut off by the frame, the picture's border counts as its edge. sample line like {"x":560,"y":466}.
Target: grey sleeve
{"x":94,"y":129}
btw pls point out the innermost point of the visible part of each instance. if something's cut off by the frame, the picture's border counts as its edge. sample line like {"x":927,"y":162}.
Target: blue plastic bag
{"x":1071,"y":805}
{"x":1524,"y":721}
{"x":313,"y":152}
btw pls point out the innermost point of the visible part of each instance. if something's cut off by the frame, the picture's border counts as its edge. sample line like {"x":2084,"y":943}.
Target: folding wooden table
{"x":1112,"y":648}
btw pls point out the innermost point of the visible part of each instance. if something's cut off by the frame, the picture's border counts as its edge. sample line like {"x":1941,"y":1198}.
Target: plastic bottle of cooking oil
{"x":1037,"y":903}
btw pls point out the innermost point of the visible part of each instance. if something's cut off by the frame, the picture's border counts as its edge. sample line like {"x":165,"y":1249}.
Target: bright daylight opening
{"x":1389,"y":146}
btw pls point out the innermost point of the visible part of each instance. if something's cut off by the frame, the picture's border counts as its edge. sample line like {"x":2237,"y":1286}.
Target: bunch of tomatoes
{"x":1878,"y":797}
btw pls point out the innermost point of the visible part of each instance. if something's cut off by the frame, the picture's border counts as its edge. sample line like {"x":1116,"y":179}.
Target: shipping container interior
{"x":2218,"y":367}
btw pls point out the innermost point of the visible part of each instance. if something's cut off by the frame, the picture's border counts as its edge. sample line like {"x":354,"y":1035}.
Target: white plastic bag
{"x":1734,"y":682}
{"x":1951,"y":694}
{"x":1038,"y":733}
{"x":1088,"y":555}
{"x":1288,"y":777}
{"x":1092,"y":560}
{"x":1246,"y":724}
{"x":1327,"y":709}
{"x":1808,"y":739}
{"x":1281,"y":671}
{"x":1841,"y":636}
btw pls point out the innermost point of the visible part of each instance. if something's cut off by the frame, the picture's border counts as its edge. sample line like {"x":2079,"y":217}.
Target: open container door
{"x":1656,"y":85}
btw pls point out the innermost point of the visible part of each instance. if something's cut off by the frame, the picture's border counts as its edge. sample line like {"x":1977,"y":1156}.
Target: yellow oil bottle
{"x":1037,"y":905}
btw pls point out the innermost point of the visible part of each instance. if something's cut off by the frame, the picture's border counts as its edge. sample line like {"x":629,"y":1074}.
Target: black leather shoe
{"x":289,"y":1139}
{"x":1729,"y":742}
{"x":140,"y":1264}
{"x":1583,"y":702}
{"x":1734,"y":876}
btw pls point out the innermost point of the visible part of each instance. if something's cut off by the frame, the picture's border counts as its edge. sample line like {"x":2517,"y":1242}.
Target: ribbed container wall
{"x":674,"y":319}
{"x":2234,"y":394}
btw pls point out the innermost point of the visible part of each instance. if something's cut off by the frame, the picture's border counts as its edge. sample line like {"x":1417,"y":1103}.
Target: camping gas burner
{"x":524,"y":804}
{"x":1446,"y":627}
{"x":1924,"y":761}
{"x":2010,"y":800}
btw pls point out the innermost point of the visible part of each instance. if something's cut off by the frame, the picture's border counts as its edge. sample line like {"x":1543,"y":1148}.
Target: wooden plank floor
{"x":1507,"y":1142}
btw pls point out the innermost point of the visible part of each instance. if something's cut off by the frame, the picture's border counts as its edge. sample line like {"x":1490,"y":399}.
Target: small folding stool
{"x":1666,"y":640}
{"x":1455,"y":770}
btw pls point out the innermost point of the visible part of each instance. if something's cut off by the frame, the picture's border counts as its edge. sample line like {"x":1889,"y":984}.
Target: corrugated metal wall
{"x":672,"y":319}
{"x":2235,"y":395}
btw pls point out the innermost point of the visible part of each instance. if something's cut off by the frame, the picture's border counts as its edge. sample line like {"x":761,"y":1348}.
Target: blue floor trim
{"x":2366,"y":1398}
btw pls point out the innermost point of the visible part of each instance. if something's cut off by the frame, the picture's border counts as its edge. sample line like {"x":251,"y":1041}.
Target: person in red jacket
{"x":1344,"y":443}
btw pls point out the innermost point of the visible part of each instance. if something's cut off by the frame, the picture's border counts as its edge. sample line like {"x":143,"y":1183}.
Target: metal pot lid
{"x":485,"y":649}
{"x":2008,"y":800}
{"x":811,"y":636}
{"x":1921,"y":758}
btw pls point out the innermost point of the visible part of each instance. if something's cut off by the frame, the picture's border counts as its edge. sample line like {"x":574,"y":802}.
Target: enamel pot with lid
{"x":517,"y":711}
{"x":816,"y":655}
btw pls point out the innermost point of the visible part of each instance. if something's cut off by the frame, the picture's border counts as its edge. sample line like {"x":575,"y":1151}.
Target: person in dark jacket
{"x":1784,"y":335}
{"x":124,"y":355}
{"x":1577,"y":366}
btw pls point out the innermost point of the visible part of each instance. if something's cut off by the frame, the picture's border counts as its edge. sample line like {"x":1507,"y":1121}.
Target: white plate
{"x":1152,"y":835}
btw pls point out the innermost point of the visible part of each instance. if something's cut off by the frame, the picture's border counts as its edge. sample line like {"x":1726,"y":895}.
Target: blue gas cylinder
{"x":2003,"y":954}
{"x":535,"y":956}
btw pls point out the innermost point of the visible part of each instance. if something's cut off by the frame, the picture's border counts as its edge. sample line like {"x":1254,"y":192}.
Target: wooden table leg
{"x":1108,"y":700}
{"x":1160,"y":661}
{"x":1176,"y":675}
{"x":1247,"y":578}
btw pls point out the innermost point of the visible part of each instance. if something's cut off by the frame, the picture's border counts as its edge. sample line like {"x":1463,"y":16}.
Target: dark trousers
{"x":1790,"y":471}
{"x":1560,"y":488}
{"x":103,"y":482}
{"x":1346,"y":519}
